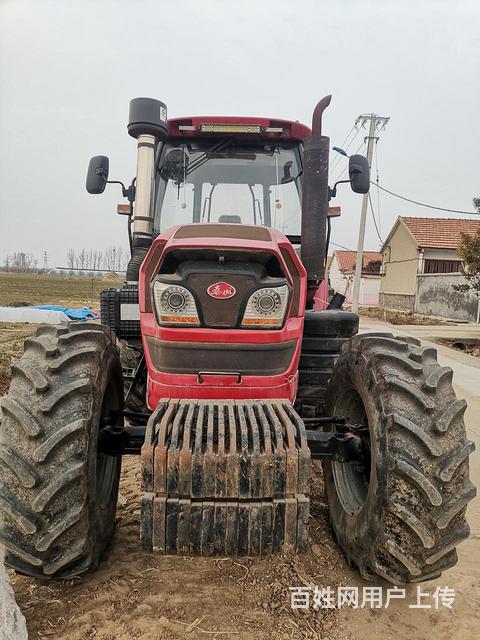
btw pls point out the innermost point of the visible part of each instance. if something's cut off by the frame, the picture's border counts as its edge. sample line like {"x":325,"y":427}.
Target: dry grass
{"x":31,"y":289}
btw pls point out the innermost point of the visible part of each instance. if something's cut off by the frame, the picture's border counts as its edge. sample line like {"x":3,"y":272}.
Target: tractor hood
{"x":222,"y":244}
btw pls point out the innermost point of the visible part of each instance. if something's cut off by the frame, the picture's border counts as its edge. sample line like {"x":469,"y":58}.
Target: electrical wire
{"x":339,"y":158}
{"x":347,"y":137}
{"x":340,"y":246}
{"x":345,"y":170}
{"x":342,"y":146}
{"x":429,"y":206}
{"x":397,"y":261}
{"x":374,"y":221}
{"x":378,"y":190}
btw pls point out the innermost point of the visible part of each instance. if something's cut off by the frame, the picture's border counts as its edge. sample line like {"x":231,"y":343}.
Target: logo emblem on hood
{"x":221,"y":290}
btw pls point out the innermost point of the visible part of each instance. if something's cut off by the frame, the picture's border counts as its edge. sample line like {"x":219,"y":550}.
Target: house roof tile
{"x":439,"y":233}
{"x":347,"y":259}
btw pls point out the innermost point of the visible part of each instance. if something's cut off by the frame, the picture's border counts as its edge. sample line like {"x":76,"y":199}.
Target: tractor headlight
{"x":174,"y":305}
{"x":266,"y":308}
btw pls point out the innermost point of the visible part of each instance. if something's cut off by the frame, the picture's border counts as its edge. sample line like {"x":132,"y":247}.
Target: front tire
{"x":58,"y":495}
{"x":402,"y":515}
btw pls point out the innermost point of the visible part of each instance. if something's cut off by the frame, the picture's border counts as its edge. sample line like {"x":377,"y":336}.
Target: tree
{"x":469,"y":251}
{"x":21,"y":262}
{"x":114,"y":259}
{"x":82,"y":256}
{"x":71,"y":258}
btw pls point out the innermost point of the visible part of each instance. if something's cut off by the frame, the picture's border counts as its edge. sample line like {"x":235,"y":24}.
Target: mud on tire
{"x":404,"y":521}
{"x":57,"y":496}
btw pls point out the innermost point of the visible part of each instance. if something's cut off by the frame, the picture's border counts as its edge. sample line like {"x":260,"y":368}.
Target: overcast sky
{"x":69,"y":68}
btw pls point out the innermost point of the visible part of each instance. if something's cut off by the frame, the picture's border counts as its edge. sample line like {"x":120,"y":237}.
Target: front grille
{"x":246,"y":359}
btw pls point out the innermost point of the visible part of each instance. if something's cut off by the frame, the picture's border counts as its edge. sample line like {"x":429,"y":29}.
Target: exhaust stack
{"x":315,"y":201}
{"x":147,"y":123}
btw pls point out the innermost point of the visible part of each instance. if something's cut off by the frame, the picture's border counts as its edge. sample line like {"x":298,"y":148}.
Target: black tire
{"x":58,"y":496}
{"x":331,"y":323}
{"x":323,"y":335}
{"x":402,"y":518}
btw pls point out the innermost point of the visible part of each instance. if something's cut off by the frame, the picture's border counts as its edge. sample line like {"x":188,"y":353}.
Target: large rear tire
{"x":403,"y":514}
{"x":58,"y":495}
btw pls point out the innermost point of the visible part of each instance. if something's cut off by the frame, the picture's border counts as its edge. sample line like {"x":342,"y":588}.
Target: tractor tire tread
{"x":424,"y":462}
{"x":45,"y":424}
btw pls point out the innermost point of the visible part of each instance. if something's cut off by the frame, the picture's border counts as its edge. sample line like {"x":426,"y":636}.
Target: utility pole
{"x":376,"y":122}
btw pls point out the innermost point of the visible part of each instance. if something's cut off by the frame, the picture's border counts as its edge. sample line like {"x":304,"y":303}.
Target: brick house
{"x":421,"y":265}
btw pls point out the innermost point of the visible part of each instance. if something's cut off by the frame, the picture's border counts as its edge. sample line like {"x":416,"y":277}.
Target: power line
{"x":339,"y":158}
{"x":404,"y":260}
{"x":374,"y":221}
{"x":342,"y":146}
{"x":345,"y":170}
{"x":378,"y":190}
{"x":429,"y":206}
{"x":342,"y":247}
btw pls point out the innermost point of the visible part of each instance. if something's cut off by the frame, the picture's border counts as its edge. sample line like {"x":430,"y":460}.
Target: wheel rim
{"x":106,"y":464}
{"x":352,"y":481}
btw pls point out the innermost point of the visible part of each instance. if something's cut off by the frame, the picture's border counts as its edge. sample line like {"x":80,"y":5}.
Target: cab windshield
{"x":226,"y":181}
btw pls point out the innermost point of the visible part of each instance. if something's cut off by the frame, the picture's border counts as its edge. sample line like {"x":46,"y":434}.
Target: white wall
{"x":369,"y":285}
{"x":338,"y":282}
{"x":370,"y":290}
{"x":436,"y":296}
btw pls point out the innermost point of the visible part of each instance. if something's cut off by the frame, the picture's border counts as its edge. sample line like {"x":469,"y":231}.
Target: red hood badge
{"x":221,"y":290}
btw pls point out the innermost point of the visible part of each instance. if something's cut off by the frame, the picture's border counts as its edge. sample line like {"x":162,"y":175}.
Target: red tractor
{"x":211,"y":363}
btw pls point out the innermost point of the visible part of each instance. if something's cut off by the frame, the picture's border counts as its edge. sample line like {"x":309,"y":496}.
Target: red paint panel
{"x":164,"y":385}
{"x":291,"y":130}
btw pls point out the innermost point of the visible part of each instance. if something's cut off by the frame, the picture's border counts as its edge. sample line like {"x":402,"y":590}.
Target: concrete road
{"x":463,"y":621}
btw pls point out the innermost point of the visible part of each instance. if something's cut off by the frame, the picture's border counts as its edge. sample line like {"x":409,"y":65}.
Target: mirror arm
{"x":130,"y":195}
{"x":124,"y":190}
{"x":332,"y":191}
{"x":129,"y":192}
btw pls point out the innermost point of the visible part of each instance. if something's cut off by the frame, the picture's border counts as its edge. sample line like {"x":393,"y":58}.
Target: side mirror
{"x":359,"y":174}
{"x":97,"y":174}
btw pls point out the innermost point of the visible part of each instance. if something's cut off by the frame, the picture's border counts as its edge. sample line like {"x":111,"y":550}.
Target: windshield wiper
{"x":204,"y":157}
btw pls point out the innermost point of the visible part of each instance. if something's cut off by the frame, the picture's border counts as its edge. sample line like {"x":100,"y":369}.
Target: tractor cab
{"x":241,"y":172}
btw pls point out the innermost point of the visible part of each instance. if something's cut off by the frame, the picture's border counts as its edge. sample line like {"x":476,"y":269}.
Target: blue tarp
{"x":83,"y":313}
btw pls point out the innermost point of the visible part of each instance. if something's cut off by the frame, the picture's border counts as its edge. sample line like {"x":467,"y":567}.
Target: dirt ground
{"x":467,"y":345}
{"x":399,"y":317}
{"x":137,"y":595}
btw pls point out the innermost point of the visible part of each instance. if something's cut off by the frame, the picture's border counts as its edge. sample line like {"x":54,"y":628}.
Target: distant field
{"x":39,"y":289}
{"x":32,"y":290}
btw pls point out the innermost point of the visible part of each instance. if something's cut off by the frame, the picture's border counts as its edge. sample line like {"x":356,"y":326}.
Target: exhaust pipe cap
{"x":148,"y":116}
